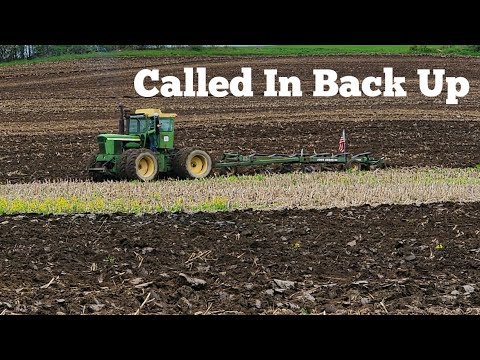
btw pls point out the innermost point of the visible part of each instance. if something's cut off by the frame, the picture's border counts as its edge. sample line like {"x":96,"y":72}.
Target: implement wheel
{"x":192,"y":163}
{"x":138,"y":164}
{"x":377,"y":166}
{"x":353,"y":165}
{"x":228,"y":171}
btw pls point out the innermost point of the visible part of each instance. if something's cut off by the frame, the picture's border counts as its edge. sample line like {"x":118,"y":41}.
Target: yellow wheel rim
{"x":356,"y":167}
{"x":146,"y":167}
{"x":198,"y":165}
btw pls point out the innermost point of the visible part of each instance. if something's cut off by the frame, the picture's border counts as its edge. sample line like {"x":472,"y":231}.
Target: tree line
{"x":18,"y":52}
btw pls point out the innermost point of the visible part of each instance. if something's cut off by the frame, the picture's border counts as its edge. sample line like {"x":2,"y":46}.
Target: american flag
{"x":342,"y":142}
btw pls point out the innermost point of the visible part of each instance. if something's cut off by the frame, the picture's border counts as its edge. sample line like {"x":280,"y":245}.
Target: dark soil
{"x":402,"y":143}
{"x":388,"y":259}
{"x":51,"y":112}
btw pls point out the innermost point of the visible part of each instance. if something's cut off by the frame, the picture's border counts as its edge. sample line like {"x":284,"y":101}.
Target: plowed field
{"x":50,"y":113}
{"x":415,"y":259}
{"x":389,"y":259}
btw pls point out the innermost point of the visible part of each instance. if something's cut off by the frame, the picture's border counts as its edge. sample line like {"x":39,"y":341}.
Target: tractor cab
{"x":153,"y":126}
{"x":138,"y":125}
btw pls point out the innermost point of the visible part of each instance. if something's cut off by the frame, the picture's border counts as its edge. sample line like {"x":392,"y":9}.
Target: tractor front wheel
{"x":138,"y":164}
{"x":192,"y":163}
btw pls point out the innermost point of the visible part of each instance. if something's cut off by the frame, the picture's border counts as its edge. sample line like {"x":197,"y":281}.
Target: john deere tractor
{"x":144,"y":148}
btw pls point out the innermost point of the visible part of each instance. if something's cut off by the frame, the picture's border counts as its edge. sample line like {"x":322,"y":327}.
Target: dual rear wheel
{"x":142,"y":164}
{"x":138,"y":164}
{"x":192,"y":163}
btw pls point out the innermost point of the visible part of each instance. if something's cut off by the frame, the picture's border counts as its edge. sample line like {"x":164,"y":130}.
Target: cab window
{"x":166,"y":124}
{"x":137,"y":126}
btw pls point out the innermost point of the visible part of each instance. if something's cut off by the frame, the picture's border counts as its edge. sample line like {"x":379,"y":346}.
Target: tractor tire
{"x":138,"y":164}
{"x":122,"y":163}
{"x":354,"y":166}
{"x":192,"y":163}
{"x":93,"y":175}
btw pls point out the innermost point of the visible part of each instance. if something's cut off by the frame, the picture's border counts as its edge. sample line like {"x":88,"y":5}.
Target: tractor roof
{"x":150,"y":112}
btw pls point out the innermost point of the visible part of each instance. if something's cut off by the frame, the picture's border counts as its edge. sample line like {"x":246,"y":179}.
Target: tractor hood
{"x":118,"y":137}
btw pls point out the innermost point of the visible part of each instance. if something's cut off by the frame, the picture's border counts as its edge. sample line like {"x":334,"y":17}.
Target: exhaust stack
{"x":127,"y":121}
{"x":121,"y":126}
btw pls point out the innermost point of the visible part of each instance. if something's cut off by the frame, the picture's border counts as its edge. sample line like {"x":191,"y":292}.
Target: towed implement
{"x":144,"y":148}
{"x":310,"y":162}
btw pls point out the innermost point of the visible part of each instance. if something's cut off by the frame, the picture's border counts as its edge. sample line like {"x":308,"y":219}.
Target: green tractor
{"x":143,"y":149}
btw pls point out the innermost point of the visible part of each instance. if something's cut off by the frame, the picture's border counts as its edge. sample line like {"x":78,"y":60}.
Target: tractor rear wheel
{"x":192,"y":163}
{"x":138,"y":164}
{"x":95,"y":175}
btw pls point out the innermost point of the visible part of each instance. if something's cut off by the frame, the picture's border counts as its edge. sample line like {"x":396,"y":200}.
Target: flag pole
{"x":342,"y":145}
{"x":345,"y":137}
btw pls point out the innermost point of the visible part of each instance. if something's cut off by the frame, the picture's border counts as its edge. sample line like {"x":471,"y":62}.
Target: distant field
{"x":74,"y":101}
{"x":273,"y":192}
{"x":269,"y":50}
{"x":197,"y":247}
